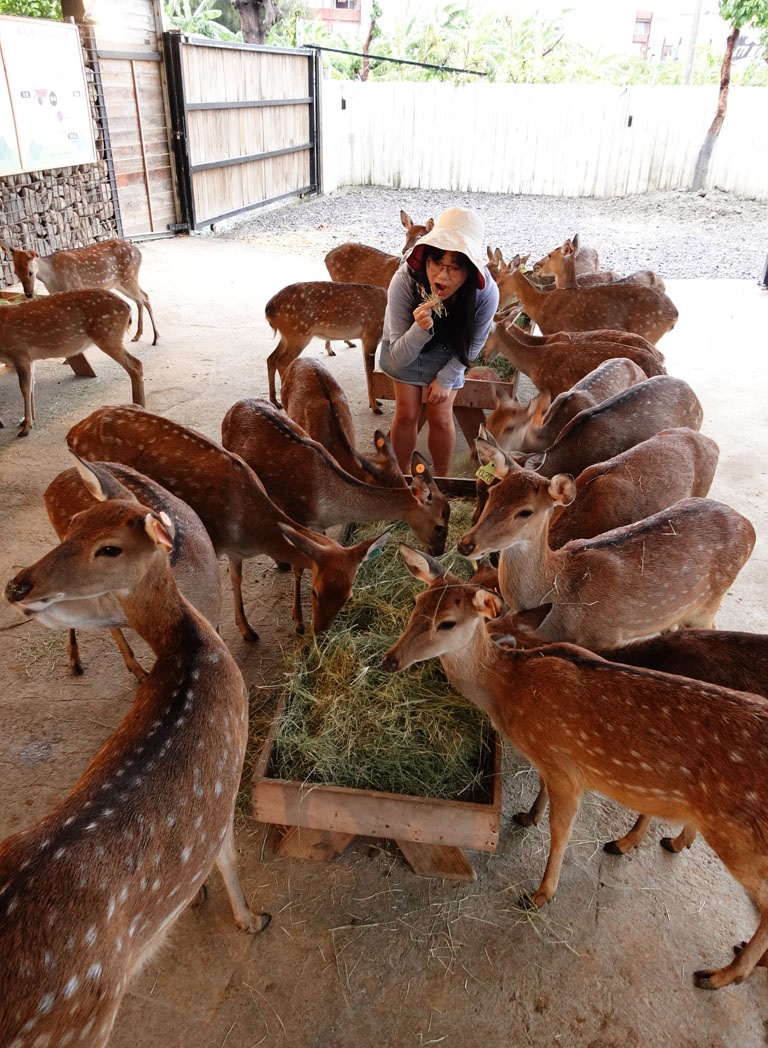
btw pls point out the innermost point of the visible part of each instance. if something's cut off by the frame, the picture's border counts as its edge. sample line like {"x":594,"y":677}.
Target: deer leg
{"x":533,"y":816}
{"x":73,"y":654}
{"x":236,"y":578}
{"x":631,"y":839}
{"x":127,"y":652}
{"x":132,"y":365}
{"x":563,"y":805}
{"x":227,"y":864}
{"x":684,"y":839}
{"x":25,"y":371}
{"x":145,"y":301}
{"x":369,"y":359}
{"x":329,"y":349}
{"x":742,"y":965}
{"x":296,"y":612}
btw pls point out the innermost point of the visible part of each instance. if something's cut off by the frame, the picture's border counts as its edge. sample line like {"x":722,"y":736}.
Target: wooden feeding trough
{"x":318,"y":821}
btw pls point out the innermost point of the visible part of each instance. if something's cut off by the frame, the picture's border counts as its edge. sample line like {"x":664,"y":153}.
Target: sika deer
{"x":61,"y":326}
{"x":669,"y":569}
{"x":535,"y":426}
{"x":618,"y":423}
{"x":585,"y":260}
{"x":555,"y":363}
{"x":323,"y":309}
{"x":562,"y":265}
{"x":359,"y":264}
{"x":87,"y":894}
{"x":629,"y":307}
{"x":315,"y":401}
{"x":309,"y":485}
{"x":232,"y":503}
{"x":666,"y":745}
{"x":192,"y":559}
{"x":109,"y":264}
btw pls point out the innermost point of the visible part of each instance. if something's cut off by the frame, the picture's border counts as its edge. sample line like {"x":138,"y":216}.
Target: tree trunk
{"x":705,"y":153}
{"x":257,"y":18}
{"x":366,"y":48}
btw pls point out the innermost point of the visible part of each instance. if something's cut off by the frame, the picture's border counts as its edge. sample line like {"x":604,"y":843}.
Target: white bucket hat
{"x":457,"y":229}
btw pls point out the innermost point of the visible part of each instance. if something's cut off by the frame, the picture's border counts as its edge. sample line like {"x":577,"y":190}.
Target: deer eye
{"x":447,"y":625}
{"x":109,"y":551}
{"x":525,"y":513}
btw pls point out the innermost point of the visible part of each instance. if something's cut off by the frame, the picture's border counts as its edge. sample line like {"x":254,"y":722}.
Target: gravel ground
{"x":678,"y":234}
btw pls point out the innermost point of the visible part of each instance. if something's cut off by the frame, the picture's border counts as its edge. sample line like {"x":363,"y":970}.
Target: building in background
{"x":346,"y":16}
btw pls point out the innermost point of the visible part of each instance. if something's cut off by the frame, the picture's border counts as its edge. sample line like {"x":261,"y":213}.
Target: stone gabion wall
{"x":65,"y":207}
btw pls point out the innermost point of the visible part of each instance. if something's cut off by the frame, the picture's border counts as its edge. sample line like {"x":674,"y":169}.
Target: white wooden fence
{"x":558,"y":140}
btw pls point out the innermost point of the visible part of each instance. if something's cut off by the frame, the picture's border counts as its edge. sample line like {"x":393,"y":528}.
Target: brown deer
{"x":310,"y":486}
{"x":555,"y":363}
{"x":618,"y":423}
{"x":672,"y":568}
{"x":324,"y":309}
{"x":193,"y":560}
{"x":61,"y":326}
{"x":109,"y":264}
{"x":232,"y":503}
{"x":585,"y":260}
{"x":315,"y":401}
{"x":660,"y":744}
{"x":535,"y":426}
{"x":629,"y":307}
{"x":359,"y":264}
{"x":562,"y":266}
{"x":88,"y":893}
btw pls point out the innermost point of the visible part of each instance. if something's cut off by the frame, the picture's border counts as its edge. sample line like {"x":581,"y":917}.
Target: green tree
{"x":200,"y":19}
{"x":32,"y":8}
{"x":737,"y":13}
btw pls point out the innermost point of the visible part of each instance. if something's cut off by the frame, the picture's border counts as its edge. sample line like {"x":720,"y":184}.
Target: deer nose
{"x":465,"y":546}
{"x":389,"y":663}
{"x":16,"y":589}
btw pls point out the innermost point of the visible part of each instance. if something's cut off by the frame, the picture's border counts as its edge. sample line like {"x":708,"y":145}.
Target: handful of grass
{"x":434,"y":301}
{"x":348,"y":723}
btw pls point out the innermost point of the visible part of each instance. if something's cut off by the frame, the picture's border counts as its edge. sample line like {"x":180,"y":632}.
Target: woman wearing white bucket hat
{"x":440,"y":307}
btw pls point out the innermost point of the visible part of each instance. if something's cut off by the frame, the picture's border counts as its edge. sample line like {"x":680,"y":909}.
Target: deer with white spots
{"x":230,"y":499}
{"x":669,"y":569}
{"x":316,"y":402}
{"x":669,"y":746}
{"x":88,"y":893}
{"x":62,"y":326}
{"x":325,"y":309}
{"x":645,"y":310}
{"x":108,"y":264}
{"x":193,"y":559}
{"x":309,"y":485}
{"x":585,"y":261}
{"x":562,"y":266}
{"x":360,"y":264}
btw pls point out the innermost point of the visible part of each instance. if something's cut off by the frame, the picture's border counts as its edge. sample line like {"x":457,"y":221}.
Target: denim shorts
{"x":423,"y":370}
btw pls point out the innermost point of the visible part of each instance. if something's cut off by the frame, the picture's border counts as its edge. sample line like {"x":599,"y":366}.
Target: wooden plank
{"x":81,"y":366}
{"x":317,"y":845}
{"x":430,"y":860}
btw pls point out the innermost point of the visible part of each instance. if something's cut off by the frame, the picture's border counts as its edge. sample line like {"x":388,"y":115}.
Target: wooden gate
{"x":245,"y":123}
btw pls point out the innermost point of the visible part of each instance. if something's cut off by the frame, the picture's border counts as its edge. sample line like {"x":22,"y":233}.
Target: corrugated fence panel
{"x":559,"y":140}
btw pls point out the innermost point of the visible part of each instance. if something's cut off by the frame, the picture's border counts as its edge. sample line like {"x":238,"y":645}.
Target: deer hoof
{"x":612,"y":847}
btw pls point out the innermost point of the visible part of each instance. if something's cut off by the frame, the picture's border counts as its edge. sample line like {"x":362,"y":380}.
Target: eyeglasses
{"x":451,"y":270}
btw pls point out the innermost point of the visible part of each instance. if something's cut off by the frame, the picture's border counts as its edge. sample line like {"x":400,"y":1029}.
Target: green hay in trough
{"x":348,"y":723}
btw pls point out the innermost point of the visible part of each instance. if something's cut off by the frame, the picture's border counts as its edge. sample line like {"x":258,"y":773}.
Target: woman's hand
{"x":422,"y":314}
{"x":437,"y":393}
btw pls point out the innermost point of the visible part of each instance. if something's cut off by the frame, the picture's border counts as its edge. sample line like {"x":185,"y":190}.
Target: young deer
{"x":555,"y":363}
{"x":315,"y":401}
{"x":359,"y":264}
{"x":618,"y":423}
{"x":629,"y":307}
{"x":193,"y":560}
{"x":534,"y":426}
{"x":88,"y":893}
{"x":238,"y":514}
{"x":562,"y":266}
{"x":109,"y":264}
{"x":324,"y":309}
{"x":309,"y":485}
{"x":585,"y":260}
{"x":61,"y":326}
{"x":670,"y":569}
{"x":669,"y":746}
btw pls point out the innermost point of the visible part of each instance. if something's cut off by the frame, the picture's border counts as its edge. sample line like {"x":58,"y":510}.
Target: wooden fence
{"x":558,"y":140}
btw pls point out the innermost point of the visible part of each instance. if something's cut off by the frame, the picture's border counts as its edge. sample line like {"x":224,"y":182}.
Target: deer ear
{"x":375,"y":545}
{"x":405,"y":218}
{"x":562,"y":489}
{"x":489,"y":452}
{"x":538,"y":408}
{"x":421,"y":477}
{"x":530,"y":619}
{"x":100,"y":483}
{"x":568,"y":248}
{"x":160,"y":530}
{"x":430,"y":224}
{"x":489,"y":605}
{"x":421,"y":565}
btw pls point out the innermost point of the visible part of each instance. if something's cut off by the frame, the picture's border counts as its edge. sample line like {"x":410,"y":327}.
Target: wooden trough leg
{"x":80,"y":366}
{"x":298,"y":842}
{"x":437,"y":860}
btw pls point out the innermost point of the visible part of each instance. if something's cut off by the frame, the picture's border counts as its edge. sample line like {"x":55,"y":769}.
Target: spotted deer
{"x":328,"y":310}
{"x":107,"y":265}
{"x":665,"y":745}
{"x":192,"y":559}
{"x":62,"y":326}
{"x":303,"y":479}
{"x":238,"y":514}
{"x":585,"y":260}
{"x":669,"y":569}
{"x":629,"y":307}
{"x":555,"y":363}
{"x":359,"y":264}
{"x":88,"y":893}
{"x":316,"y":402}
{"x":562,"y":266}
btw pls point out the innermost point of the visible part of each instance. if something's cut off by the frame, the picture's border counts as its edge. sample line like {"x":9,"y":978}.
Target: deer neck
{"x":353,"y":501}
{"x":157,"y":611}
{"x":528,"y":296}
{"x":478,"y":671}
{"x":528,"y":567}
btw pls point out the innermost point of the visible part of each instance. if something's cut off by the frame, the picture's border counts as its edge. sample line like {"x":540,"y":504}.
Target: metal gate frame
{"x":173,"y":43}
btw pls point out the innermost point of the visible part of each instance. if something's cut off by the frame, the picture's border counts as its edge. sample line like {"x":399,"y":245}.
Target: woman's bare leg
{"x":442,"y":434}
{"x":405,"y":424}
